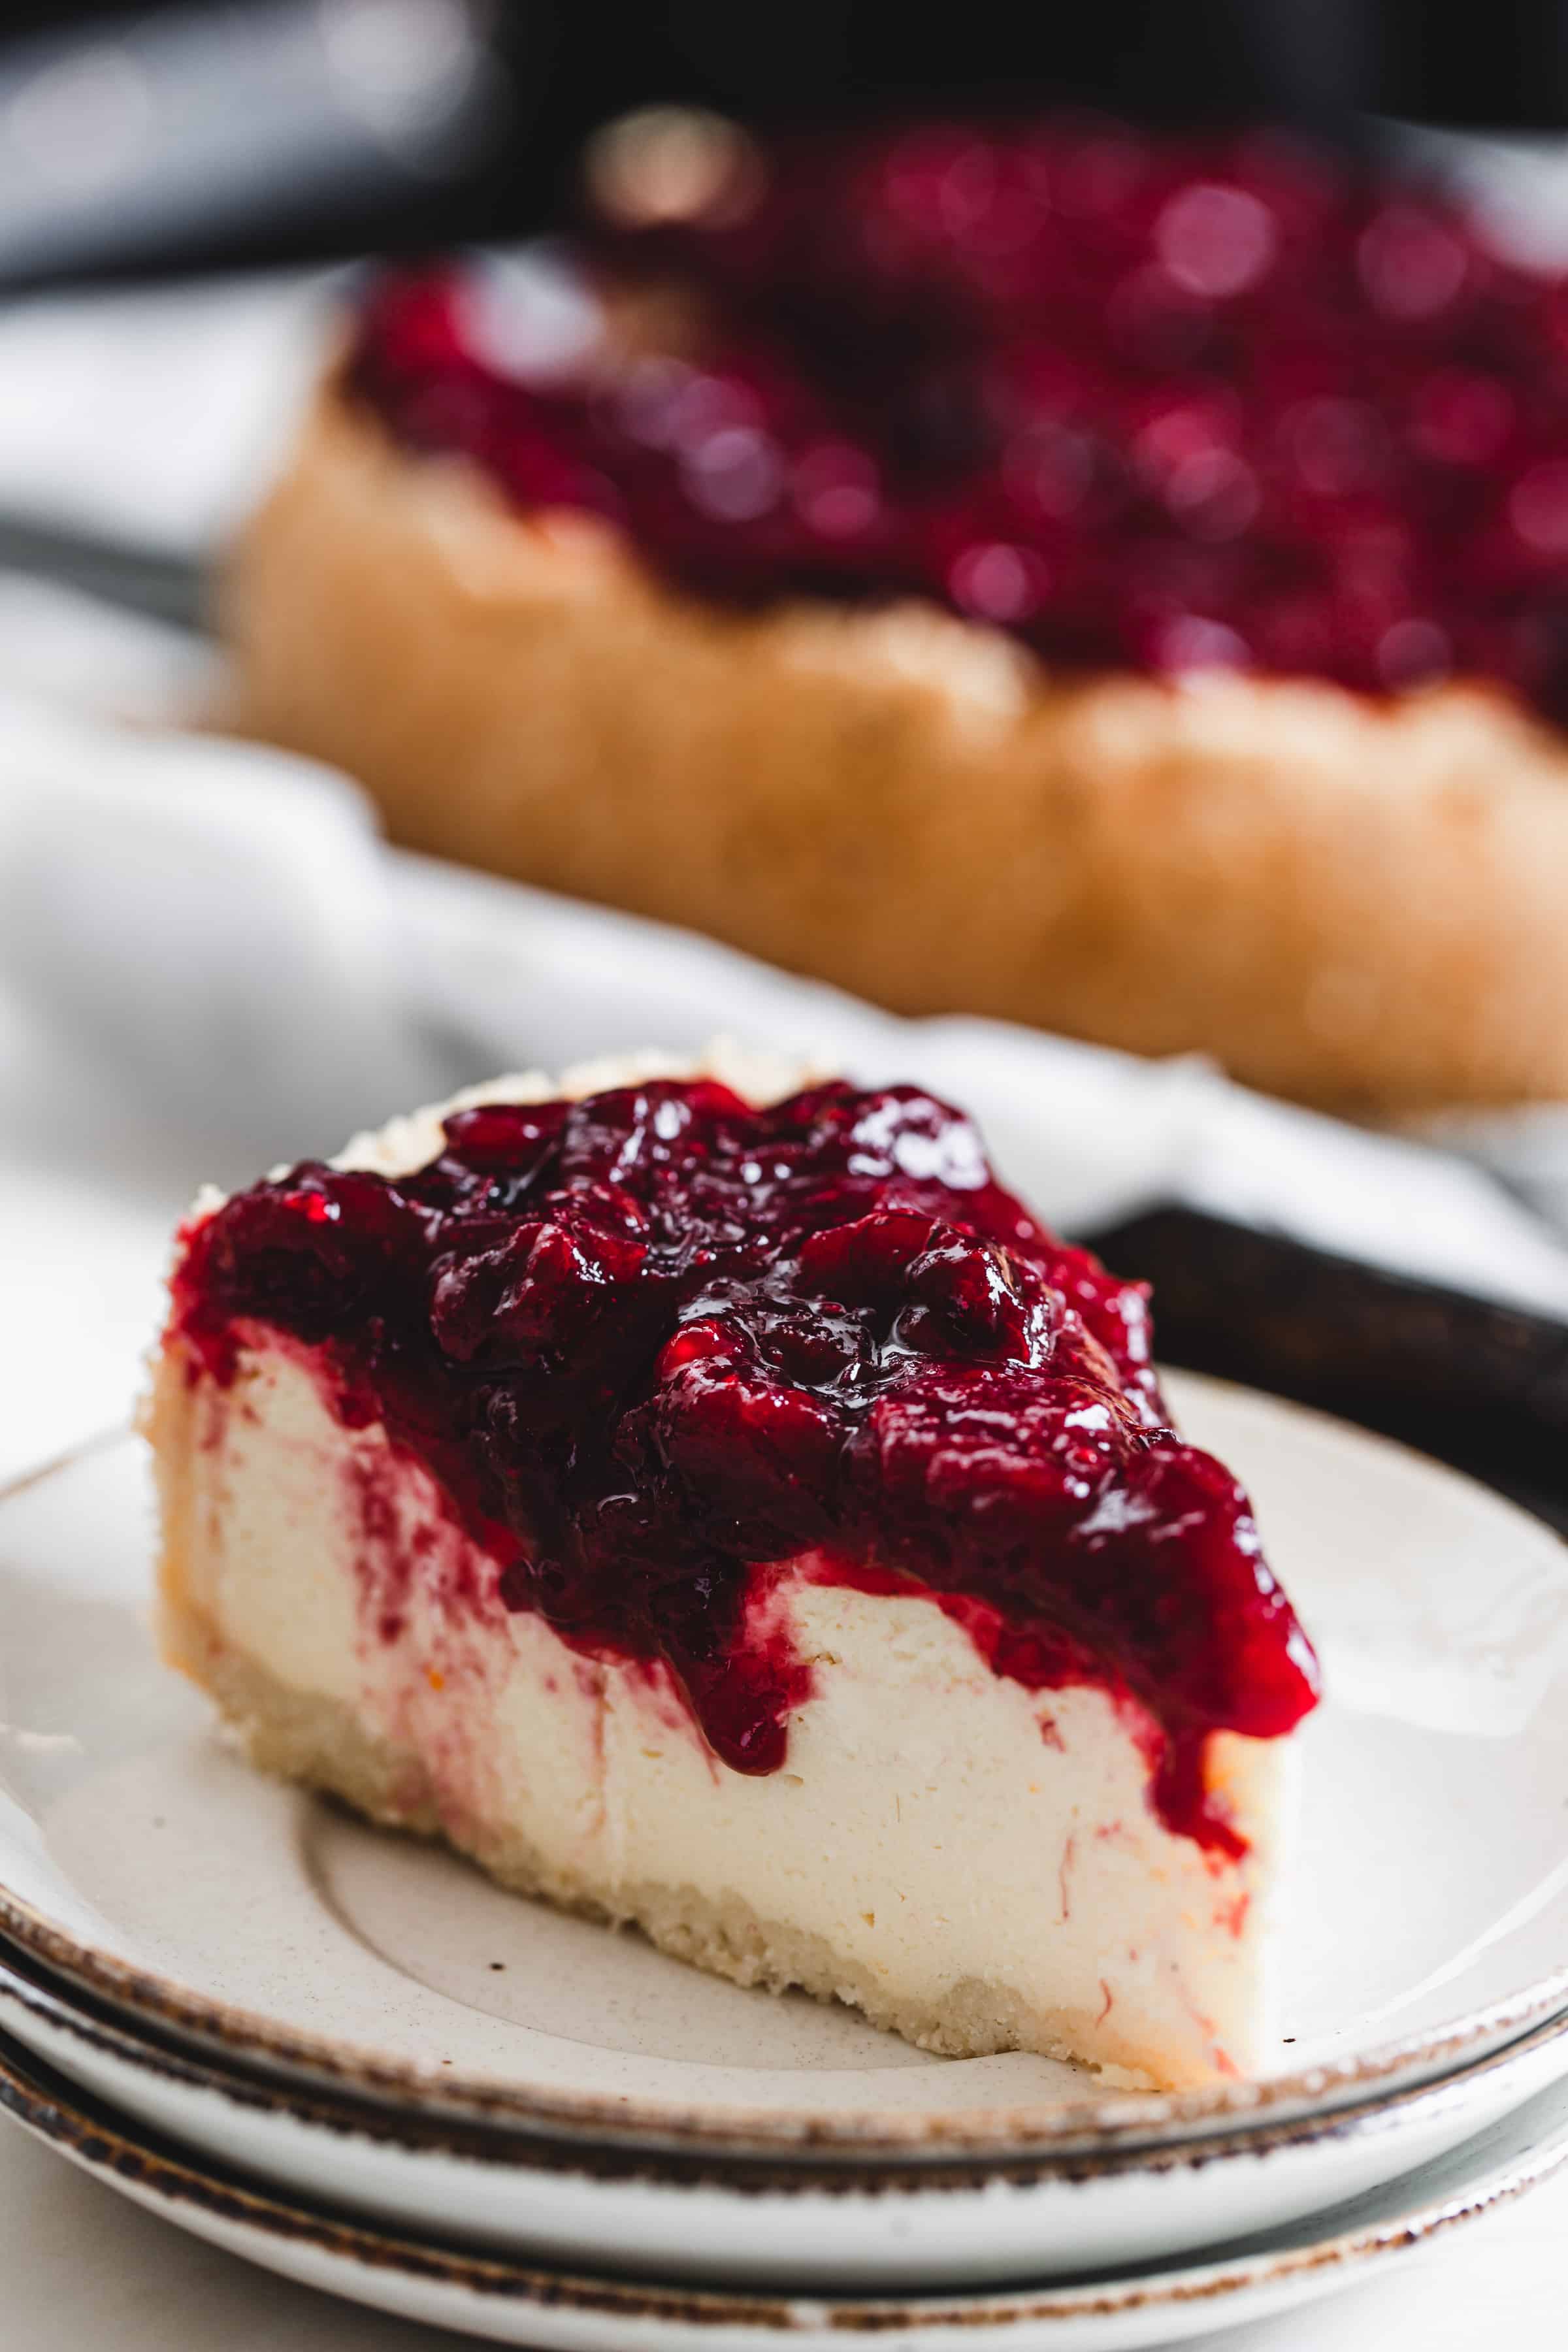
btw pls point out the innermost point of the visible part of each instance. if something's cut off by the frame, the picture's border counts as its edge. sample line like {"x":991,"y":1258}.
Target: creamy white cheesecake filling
{"x":979,"y":1863}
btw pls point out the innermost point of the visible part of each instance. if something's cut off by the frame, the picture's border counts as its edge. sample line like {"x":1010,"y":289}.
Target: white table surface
{"x":83,"y":2268}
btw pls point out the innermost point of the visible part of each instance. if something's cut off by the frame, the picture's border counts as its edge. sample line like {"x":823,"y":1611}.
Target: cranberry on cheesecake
{"x":1039,"y":570}
{"x":744,"y":1518}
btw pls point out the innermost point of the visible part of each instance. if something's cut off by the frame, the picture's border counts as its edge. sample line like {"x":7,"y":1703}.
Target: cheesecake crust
{"x":320,"y":1743}
{"x":1356,"y":903}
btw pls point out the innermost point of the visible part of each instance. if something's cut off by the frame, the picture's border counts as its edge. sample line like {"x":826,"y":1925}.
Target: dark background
{"x":1326,"y":65}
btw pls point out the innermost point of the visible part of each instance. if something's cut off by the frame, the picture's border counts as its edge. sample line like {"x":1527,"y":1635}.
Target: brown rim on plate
{"x":1110,"y":2121}
{"x":487,"y":2144}
{"x":98,"y":2140}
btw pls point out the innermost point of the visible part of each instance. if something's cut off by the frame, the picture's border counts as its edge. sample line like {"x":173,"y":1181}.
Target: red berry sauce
{"x":649,"y":1342}
{"x":1163,"y":405}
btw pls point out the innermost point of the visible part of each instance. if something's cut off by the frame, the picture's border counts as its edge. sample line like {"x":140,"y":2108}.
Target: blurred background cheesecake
{"x":1061,"y":522}
{"x":1022,"y":567}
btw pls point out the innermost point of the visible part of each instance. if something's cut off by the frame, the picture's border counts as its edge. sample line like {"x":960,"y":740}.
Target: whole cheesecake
{"x":1041,"y":573}
{"x":742,"y":1518}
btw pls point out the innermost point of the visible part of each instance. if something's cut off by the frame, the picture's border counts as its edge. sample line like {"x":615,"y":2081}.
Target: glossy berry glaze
{"x":652,"y":1341}
{"x":1152,"y":405}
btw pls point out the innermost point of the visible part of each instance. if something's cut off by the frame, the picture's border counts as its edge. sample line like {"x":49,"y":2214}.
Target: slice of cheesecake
{"x":750,"y":1523}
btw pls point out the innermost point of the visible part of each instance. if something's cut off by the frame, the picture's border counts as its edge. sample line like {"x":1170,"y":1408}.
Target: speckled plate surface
{"x":864,"y":2227}
{"x":508,"y":2301}
{"x":1430,"y":1919}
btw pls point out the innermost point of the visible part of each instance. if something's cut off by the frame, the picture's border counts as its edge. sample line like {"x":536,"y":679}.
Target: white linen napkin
{"x":153,"y":416}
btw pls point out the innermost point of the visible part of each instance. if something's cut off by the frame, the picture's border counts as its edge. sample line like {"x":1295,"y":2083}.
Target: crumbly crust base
{"x":321,"y":1743}
{"x":1351,"y":902}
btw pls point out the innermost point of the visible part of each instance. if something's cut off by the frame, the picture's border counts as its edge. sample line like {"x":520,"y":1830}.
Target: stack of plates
{"x":352,"y":2058}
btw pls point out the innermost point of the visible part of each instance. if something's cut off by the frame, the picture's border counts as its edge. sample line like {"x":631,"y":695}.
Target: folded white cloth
{"x":153,"y":416}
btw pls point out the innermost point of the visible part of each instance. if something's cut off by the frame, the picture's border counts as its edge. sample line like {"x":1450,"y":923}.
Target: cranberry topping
{"x":653,"y":1340}
{"x":1157,"y":404}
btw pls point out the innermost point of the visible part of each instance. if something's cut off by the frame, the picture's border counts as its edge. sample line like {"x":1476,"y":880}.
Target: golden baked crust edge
{"x":1354,"y":903}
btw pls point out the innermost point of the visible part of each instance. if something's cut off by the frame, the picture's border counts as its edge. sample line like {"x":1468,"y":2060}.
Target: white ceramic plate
{"x":888,"y":2228}
{"x":506,"y":2303}
{"x":1430,"y":1918}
